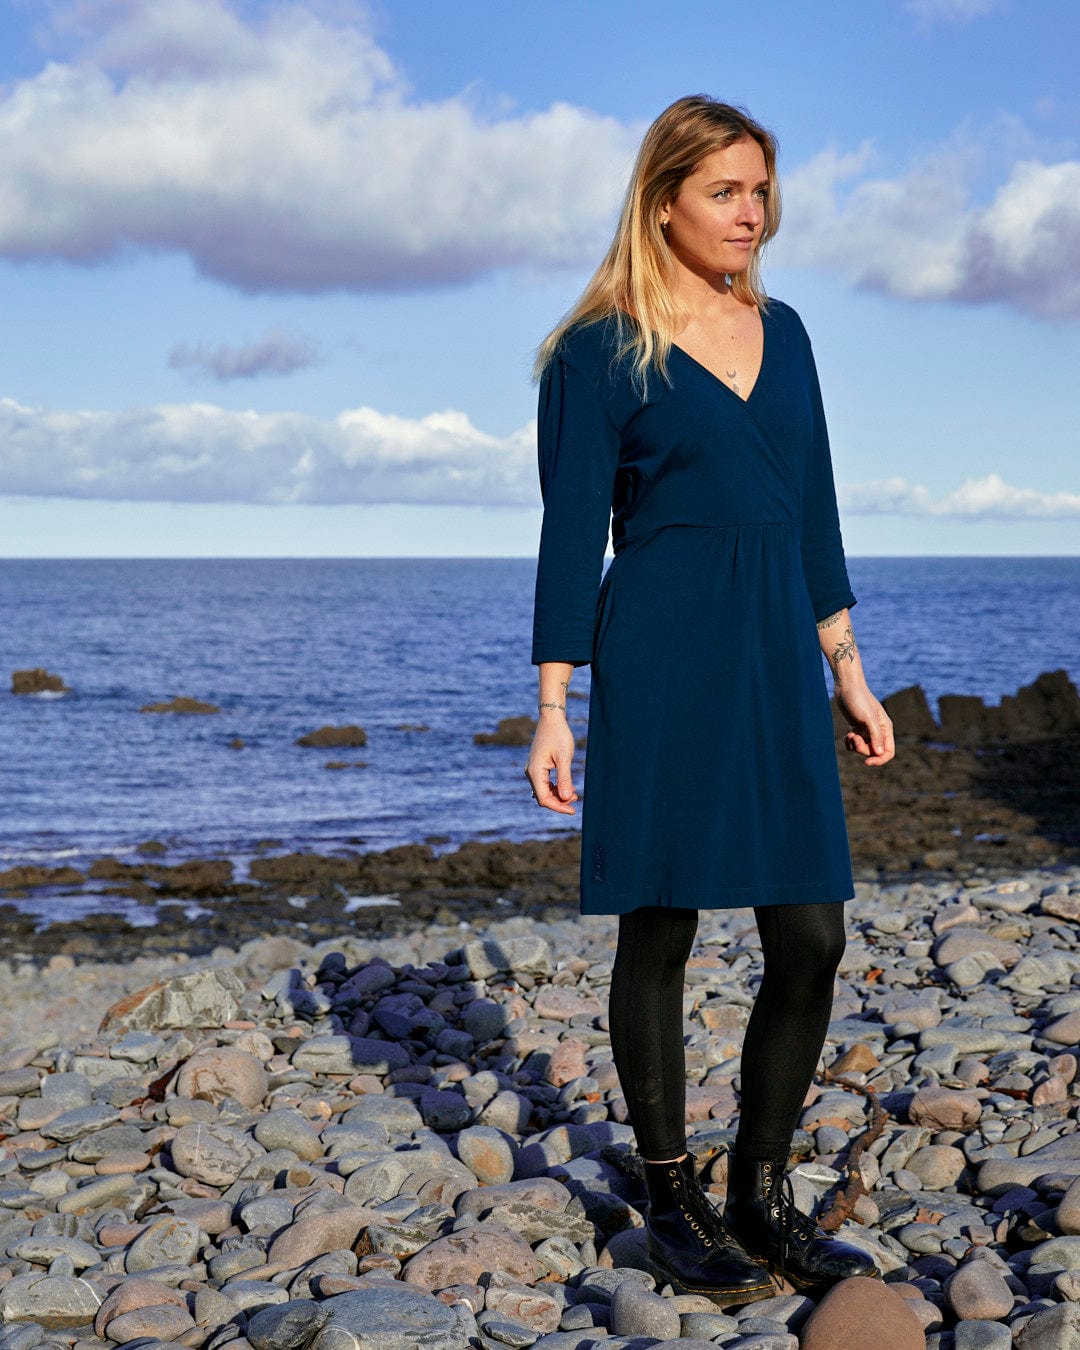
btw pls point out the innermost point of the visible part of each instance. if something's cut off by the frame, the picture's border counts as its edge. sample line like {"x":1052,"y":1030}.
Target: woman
{"x":679,"y":402}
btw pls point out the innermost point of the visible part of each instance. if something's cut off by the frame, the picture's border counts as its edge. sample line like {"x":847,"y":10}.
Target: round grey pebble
{"x":636,"y":1311}
{"x":506,"y":1331}
{"x":390,"y":1317}
{"x":706,"y":1326}
{"x":286,"y":1326}
{"x":167,"y":1242}
{"x":981,"y":1336}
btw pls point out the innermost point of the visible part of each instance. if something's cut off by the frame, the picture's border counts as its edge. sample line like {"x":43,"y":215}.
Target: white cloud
{"x":197,"y":452}
{"x":275,"y":353}
{"x":286,"y":153}
{"x":919,"y":236}
{"x":952,"y":11}
{"x":280,"y":149}
{"x":989,"y":498}
{"x":201,"y":453}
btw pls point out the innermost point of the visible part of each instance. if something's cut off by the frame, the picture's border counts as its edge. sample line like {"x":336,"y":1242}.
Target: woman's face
{"x":715,"y":222}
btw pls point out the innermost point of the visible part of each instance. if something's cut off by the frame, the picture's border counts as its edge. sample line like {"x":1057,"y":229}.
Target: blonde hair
{"x":634,"y":284}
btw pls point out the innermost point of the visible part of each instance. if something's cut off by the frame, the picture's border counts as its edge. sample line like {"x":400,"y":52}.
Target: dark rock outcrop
{"x":37,"y":681}
{"x":510,"y":731}
{"x":334,"y":736}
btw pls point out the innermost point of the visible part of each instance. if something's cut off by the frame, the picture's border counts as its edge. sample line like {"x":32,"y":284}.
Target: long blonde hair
{"x":637,"y":275}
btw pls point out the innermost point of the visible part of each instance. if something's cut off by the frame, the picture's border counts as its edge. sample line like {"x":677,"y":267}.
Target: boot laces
{"x":794,"y":1227}
{"x":717,"y":1228}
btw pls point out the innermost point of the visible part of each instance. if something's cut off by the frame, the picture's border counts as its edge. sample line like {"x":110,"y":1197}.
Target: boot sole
{"x":804,"y":1285}
{"x":723,"y":1297}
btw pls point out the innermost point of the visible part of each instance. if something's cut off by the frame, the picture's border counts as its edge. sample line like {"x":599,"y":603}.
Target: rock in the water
{"x":327,"y":737}
{"x":37,"y":681}
{"x":852,"y":1316}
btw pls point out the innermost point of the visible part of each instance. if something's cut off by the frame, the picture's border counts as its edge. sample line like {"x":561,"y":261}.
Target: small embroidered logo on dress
{"x":598,"y":862}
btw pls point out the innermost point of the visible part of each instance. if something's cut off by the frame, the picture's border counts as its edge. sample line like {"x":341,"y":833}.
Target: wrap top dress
{"x":710,"y":779}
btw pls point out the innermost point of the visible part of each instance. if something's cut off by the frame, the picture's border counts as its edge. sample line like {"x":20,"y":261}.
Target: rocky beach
{"x":367,"y":1099}
{"x":420,"y":1139}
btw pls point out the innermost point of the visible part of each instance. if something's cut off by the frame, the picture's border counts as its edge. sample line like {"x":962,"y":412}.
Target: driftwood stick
{"x":843,"y":1203}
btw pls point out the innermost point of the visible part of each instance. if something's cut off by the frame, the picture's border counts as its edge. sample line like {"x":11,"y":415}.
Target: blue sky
{"x":272,"y":274}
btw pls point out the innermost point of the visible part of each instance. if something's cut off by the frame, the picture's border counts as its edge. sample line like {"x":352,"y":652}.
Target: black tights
{"x":802,"y":946}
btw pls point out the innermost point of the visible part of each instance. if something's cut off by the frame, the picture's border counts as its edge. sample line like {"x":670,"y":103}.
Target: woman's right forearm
{"x":554,"y":683}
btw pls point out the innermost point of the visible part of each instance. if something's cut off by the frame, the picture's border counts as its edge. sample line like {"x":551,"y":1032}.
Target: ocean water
{"x":285,"y":646}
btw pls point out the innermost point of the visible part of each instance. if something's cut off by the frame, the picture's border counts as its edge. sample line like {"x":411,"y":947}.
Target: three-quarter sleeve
{"x":824,"y":566}
{"x":578,"y":452}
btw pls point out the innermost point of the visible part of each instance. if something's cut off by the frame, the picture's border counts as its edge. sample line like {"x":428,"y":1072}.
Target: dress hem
{"x":727,"y":897}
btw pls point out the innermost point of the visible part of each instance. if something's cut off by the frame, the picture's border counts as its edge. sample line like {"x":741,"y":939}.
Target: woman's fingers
{"x":557,"y":796}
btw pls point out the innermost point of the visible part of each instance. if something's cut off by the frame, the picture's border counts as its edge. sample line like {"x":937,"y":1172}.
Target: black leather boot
{"x":760,"y":1211}
{"x":688,"y":1244}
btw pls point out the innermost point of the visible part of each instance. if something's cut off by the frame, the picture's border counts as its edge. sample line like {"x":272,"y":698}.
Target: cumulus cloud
{"x":989,"y":498}
{"x":280,"y":149}
{"x":283,"y":151}
{"x":1022,"y":249}
{"x":197,"y":452}
{"x":276,"y":353}
{"x":201,"y":453}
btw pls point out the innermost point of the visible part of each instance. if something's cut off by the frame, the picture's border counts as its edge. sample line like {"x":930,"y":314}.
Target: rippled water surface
{"x":284,"y":646}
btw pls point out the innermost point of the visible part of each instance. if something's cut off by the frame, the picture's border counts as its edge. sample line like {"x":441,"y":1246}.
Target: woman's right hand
{"x":552,"y":748}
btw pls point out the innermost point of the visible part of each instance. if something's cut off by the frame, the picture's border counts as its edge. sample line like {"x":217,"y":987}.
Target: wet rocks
{"x":329,"y":736}
{"x":510,"y":731}
{"x":37,"y":681}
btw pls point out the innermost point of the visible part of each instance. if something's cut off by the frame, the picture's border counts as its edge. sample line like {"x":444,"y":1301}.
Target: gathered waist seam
{"x":627,"y":539}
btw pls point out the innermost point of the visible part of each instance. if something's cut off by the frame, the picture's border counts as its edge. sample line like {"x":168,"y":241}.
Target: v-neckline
{"x":716,"y":378}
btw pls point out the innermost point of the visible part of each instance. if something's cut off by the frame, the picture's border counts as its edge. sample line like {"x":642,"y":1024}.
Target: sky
{"x":272,"y":274}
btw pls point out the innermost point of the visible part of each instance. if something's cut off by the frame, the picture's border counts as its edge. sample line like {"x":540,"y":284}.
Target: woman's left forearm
{"x":837,"y":638}
{"x":871,"y":733}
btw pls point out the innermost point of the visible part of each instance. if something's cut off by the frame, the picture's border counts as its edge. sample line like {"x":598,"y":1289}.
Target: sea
{"x":284,"y":646}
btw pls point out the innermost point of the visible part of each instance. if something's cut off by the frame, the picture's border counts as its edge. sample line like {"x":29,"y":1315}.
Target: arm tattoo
{"x":827,"y":623}
{"x":845,"y":649}
{"x":565,"y":684}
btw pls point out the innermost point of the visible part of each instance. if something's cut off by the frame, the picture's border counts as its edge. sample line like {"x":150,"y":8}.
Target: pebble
{"x":410,"y":1141}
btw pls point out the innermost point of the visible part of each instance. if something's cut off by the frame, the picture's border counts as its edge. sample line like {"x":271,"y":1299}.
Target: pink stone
{"x":1064,"y":1066}
{"x":1050,"y":1090}
{"x":561,"y":1004}
{"x":567,"y":1062}
{"x":942,"y":1108}
{"x":461,"y":1258}
{"x":854,"y":1314}
{"x":223,"y":1072}
{"x":132,"y":1294}
{"x":316,"y":1234}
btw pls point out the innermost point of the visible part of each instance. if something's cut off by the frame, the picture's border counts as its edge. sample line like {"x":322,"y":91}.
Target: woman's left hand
{"x":871,"y":733}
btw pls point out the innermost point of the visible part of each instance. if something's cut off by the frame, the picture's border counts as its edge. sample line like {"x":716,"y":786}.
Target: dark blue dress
{"x":710,"y":779}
